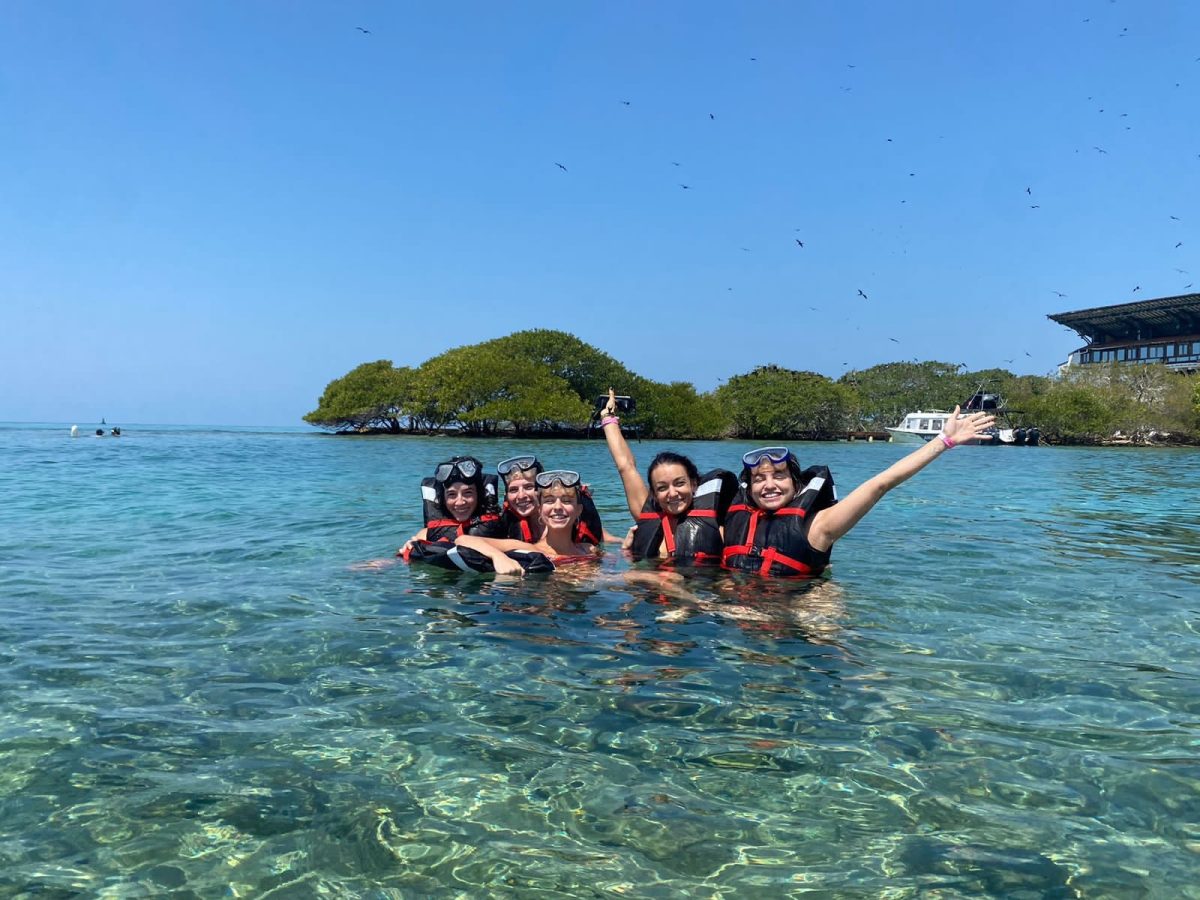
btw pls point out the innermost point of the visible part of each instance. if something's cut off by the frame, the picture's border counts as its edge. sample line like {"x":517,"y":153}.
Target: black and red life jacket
{"x":588,"y":530}
{"x":694,"y":539}
{"x":776,"y":543}
{"x":440,"y":526}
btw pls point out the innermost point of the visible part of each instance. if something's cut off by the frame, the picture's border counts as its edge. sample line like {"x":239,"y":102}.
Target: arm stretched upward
{"x":832,"y":523}
{"x":636,"y":490}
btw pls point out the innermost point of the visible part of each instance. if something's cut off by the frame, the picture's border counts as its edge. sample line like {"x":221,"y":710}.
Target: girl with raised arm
{"x":785,"y":520}
{"x":679,"y":512}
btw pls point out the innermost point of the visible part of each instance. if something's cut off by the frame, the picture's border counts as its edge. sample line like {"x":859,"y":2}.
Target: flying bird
{"x":561,"y":166}
{"x":1099,"y":149}
{"x":1028,"y":191}
{"x":800,"y":242}
{"x":893,"y":340}
{"x":686,"y":187}
{"x":625,"y":102}
{"x":1027,"y":353}
{"x":1059,"y":293}
{"x":1186,"y":286}
{"x":1136,"y":289}
{"x":1180,"y":244}
{"x":1035,"y":206}
{"x":1176,"y":218}
{"x":363,"y":30}
{"x":861,"y":294}
{"x":711,"y":116}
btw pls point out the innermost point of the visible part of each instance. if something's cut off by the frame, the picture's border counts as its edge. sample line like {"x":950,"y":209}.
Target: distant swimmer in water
{"x":74,"y":431}
{"x":116,"y":432}
{"x":560,"y":504}
{"x":99,"y":432}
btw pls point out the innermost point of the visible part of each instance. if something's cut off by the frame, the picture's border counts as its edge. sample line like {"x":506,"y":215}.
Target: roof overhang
{"x":1162,"y":318}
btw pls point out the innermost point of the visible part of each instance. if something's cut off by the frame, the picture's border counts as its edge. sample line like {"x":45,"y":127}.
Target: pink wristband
{"x":609,"y":420}
{"x":949,"y":442}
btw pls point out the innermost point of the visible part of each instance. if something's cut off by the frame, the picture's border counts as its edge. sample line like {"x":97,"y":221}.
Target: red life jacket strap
{"x":771,"y":555}
{"x":669,"y":534}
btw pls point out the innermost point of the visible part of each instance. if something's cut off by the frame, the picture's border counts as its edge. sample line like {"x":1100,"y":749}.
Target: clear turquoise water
{"x":997,"y":693}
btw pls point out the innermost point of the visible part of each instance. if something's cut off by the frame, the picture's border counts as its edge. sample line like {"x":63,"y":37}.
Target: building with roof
{"x":1164,"y":331}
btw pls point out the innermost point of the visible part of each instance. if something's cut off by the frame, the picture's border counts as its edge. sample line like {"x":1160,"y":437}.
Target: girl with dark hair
{"x":785,"y":520}
{"x":679,"y":512}
{"x":458,"y":499}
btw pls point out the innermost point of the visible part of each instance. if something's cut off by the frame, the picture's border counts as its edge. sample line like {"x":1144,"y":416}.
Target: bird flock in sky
{"x":1028,"y":189}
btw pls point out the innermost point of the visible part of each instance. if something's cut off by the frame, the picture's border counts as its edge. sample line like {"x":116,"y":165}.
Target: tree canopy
{"x":543,"y":382}
{"x":370,"y":396}
{"x":773,"y":402}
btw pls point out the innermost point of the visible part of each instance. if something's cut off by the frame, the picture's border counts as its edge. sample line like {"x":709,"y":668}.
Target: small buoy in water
{"x":74,"y":431}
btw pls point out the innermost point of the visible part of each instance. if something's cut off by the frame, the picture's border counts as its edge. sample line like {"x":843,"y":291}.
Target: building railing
{"x":1175,"y":353}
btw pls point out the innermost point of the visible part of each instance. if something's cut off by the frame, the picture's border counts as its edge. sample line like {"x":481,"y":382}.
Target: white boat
{"x":919,"y":427}
{"x":924,"y":425}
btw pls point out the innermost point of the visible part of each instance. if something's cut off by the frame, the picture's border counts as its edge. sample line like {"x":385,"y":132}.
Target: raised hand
{"x":610,"y":408}
{"x":968,"y":428}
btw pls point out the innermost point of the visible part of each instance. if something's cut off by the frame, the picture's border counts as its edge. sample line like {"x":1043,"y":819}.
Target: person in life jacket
{"x":519,"y":513}
{"x":786,"y":520}
{"x":560,"y":505}
{"x":458,"y":499}
{"x":679,"y":513}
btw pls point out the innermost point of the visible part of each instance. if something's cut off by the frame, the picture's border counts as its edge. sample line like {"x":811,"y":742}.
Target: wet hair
{"x":793,"y":469}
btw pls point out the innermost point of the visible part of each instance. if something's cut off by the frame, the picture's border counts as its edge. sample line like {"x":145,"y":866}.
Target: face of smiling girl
{"x":521,"y":494}
{"x":461,"y":500}
{"x":771,"y":486}
{"x":672,"y":488}
{"x":559,"y":507}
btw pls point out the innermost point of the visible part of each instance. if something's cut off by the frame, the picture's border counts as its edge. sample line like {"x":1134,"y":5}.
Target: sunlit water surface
{"x":995,"y":694}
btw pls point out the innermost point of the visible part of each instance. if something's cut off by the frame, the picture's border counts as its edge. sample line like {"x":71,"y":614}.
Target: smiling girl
{"x":559,"y":504}
{"x":786,"y":520}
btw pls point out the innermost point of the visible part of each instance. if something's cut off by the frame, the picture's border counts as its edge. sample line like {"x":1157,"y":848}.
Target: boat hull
{"x":900,"y":436}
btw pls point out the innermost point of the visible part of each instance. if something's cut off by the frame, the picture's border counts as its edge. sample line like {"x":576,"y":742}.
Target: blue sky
{"x":208,"y":210}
